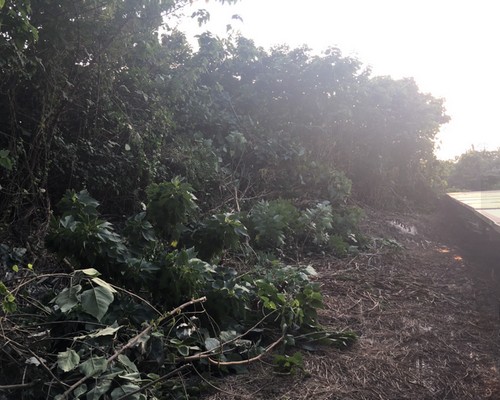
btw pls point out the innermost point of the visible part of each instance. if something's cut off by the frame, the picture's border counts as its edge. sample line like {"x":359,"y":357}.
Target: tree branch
{"x":135,"y":339}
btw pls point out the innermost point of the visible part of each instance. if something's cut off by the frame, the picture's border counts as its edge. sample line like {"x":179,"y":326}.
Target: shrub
{"x":272,"y":222}
{"x":170,"y":207}
{"x":81,"y":235}
{"x":217,"y":233}
{"x":316,"y":223}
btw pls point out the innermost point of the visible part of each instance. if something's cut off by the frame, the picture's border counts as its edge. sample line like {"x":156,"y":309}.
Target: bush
{"x":273,"y":223}
{"x":217,"y":233}
{"x":86,"y":239}
{"x":170,"y":207}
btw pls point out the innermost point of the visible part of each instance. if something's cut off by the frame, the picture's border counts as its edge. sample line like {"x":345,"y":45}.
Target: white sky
{"x":450,"y":47}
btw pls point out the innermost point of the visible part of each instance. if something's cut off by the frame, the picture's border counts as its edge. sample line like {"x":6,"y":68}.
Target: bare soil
{"x":426,"y":312}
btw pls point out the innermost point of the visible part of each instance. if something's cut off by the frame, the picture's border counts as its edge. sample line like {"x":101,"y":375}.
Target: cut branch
{"x":135,"y":339}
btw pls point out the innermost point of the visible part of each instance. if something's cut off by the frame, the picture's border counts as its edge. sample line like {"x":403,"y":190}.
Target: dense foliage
{"x":476,"y":170}
{"x":169,"y":185}
{"x":91,"y":98}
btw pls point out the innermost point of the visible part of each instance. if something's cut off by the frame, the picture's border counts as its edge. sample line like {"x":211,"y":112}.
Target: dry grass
{"x":427,"y":321}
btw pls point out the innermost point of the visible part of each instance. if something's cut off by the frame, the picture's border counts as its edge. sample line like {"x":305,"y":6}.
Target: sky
{"x":450,"y":48}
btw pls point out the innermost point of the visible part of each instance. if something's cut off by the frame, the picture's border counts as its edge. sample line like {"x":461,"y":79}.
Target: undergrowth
{"x":150,"y":302}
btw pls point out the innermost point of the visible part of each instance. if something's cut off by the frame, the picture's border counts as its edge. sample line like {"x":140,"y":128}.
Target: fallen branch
{"x":161,"y":378}
{"x":39,"y":359}
{"x":19,"y":385}
{"x":135,"y":339}
{"x":208,"y":353}
{"x":250,"y":360}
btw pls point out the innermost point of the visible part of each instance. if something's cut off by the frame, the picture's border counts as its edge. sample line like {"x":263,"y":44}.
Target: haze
{"x":449,"y":47}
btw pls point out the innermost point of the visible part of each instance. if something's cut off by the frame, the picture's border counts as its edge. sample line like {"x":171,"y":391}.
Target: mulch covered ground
{"x":427,"y":317}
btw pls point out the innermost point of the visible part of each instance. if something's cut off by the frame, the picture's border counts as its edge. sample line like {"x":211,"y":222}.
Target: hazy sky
{"x":450,"y":47}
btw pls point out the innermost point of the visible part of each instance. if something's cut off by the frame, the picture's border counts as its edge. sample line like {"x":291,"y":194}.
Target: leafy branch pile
{"x":97,"y":337}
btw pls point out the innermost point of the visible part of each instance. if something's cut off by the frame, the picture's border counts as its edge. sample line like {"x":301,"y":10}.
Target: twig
{"x":16,"y":289}
{"x":39,"y":359}
{"x":250,"y":360}
{"x":135,"y":339}
{"x":19,"y":385}
{"x":161,"y":378}
{"x":206,"y":354}
{"x":137,"y":297}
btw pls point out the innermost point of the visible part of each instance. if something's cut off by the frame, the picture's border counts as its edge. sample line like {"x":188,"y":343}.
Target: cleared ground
{"x":426,"y":312}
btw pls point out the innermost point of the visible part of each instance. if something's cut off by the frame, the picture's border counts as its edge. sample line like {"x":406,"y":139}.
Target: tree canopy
{"x":476,"y":170}
{"x":92,"y":98}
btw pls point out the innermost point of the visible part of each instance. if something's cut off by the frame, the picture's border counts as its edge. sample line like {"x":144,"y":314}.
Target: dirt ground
{"x":425,"y":304}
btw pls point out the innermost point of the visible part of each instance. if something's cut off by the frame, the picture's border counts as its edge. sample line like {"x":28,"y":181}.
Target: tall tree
{"x":80,"y":97}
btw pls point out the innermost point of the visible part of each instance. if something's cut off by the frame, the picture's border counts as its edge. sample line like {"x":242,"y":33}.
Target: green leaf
{"x":68,"y":222}
{"x":9,"y":304}
{"x":124,"y":390}
{"x":131,"y":377}
{"x":104,"y":284}
{"x":226,"y":336}
{"x":101,"y":388}
{"x":183,"y":350}
{"x":212,"y":344}
{"x":96,"y":301}
{"x":309,"y":270}
{"x":79,"y":391}
{"x":108,"y":331}
{"x":93,"y":366}
{"x":2,"y":3}
{"x":90,"y":272}
{"x":3,"y":289}
{"x":5,"y":161}
{"x":68,"y":298}
{"x":68,"y":360}
{"x":129,"y":365}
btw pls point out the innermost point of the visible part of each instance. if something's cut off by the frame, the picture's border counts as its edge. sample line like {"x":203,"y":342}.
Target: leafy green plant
{"x":339,"y":246}
{"x":92,"y":363}
{"x":5,"y":160}
{"x":236,"y":144}
{"x":94,"y":300}
{"x":317,"y":223}
{"x":196,"y":159}
{"x":139,"y":232}
{"x":84,"y":237}
{"x":286,"y":364}
{"x":9,"y":300}
{"x":271,"y":298}
{"x":272,"y":221}
{"x":170,"y":205}
{"x":297,"y":296}
{"x":99,"y":356}
{"x":346,"y":221}
{"x":217,"y":233}
{"x":181,"y":276}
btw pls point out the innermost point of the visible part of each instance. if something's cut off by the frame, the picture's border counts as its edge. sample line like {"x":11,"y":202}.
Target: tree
{"x":476,"y":170}
{"x":81,"y":99}
{"x":393,"y":140}
{"x":296,"y":110}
